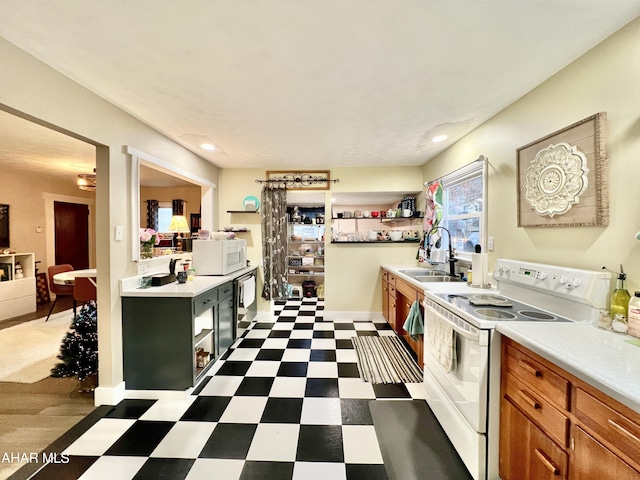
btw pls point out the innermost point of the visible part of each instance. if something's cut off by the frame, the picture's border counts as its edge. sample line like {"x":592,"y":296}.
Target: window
{"x":464,"y":198}
{"x":165,"y":213}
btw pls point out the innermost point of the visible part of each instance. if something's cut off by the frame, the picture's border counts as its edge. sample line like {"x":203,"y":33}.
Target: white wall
{"x":605,"y":79}
{"x":33,"y":88}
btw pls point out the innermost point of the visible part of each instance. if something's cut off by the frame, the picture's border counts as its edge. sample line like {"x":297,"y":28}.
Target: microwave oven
{"x":219,"y":257}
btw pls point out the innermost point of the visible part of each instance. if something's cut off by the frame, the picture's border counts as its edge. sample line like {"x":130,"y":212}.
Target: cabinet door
{"x":593,"y":461}
{"x":392,"y":308}
{"x":385,"y":300}
{"x":526,"y":453}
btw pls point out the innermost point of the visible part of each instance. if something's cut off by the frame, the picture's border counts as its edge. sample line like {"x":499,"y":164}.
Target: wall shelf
{"x":243,"y":211}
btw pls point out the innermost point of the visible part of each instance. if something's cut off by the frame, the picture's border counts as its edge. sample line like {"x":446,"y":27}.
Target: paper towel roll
{"x":479,"y":270}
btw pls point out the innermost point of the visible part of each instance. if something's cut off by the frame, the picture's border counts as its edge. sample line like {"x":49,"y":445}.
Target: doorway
{"x":71,"y":233}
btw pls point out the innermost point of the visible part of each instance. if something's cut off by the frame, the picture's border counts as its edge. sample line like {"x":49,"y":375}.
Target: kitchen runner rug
{"x":385,"y":360}
{"x":413,"y":444}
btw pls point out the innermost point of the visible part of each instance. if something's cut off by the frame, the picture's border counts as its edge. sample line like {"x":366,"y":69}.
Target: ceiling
{"x":285,"y":84}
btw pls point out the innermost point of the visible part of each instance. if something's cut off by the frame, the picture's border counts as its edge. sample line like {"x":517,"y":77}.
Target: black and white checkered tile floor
{"x":285,"y":402}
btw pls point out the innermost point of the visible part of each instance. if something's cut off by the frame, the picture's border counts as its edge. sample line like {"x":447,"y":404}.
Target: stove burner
{"x":537,"y":315}
{"x":492,"y":314}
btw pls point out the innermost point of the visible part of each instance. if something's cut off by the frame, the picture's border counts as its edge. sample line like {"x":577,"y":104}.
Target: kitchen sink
{"x":430,"y":275}
{"x":424,"y":273}
{"x":436,"y":278}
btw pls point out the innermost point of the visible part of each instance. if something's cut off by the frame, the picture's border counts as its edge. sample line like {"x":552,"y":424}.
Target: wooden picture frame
{"x":562,"y":178}
{"x":300,"y":179}
{"x":4,"y":226}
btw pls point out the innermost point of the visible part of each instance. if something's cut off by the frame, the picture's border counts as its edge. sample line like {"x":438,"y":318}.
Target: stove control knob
{"x":576,"y":282}
{"x":541,"y":276}
{"x":563,"y":279}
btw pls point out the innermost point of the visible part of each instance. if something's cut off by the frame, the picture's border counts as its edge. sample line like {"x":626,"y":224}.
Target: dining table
{"x":69,"y":277}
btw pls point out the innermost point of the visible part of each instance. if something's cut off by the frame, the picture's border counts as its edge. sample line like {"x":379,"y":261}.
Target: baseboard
{"x":169,"y":395}
{"x":357,"y":316}
{"x":109,"y":395}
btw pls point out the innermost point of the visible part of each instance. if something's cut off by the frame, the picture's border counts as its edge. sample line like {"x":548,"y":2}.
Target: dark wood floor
{"x":33,"y":415}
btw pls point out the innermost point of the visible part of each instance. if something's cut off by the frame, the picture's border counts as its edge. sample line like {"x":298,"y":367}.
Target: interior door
{"x":71,"y":234}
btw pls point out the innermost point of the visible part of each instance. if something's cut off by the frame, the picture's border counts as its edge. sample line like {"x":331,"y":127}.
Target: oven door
{"x":465,"y":385}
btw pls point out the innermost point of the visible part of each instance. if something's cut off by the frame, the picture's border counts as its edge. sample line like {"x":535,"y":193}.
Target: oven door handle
{"x":474,"y":337}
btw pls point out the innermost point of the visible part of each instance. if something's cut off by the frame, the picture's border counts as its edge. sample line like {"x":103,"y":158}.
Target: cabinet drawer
{"x":406,"y":290}
{"x":225,"y":291}
{"x":391,"y":279}
{"x":392,"y":291}
{"x":538,"y":377}
{"x":385,"y":276}
{"x":617,"y":429}
{"x":205,"y":301}
{"x":536,"y":407}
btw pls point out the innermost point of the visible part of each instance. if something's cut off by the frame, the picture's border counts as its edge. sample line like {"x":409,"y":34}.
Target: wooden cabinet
{"x":527,"y":452}
{"x":397,"y":298}
{"x":389,"y":298}
{"x":170,"y":342}
{"x":593,"y":460}
{"x":554,"y":425}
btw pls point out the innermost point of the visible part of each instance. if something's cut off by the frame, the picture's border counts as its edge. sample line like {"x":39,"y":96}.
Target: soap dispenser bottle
{"x":620,"y":304}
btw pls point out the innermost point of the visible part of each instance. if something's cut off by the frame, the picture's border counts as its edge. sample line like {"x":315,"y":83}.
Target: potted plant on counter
{"x":149,"y":238}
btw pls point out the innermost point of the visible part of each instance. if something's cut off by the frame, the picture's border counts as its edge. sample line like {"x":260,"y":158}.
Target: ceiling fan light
{"x":86,"y":181}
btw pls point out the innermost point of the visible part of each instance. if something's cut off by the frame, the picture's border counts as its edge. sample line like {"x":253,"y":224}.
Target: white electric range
{"x":465,"y":398}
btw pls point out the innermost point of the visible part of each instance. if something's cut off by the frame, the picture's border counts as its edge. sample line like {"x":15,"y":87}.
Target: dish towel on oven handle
{"x":414,"y":325}
{"x":248,"y":291}
{"x":440,"y":340}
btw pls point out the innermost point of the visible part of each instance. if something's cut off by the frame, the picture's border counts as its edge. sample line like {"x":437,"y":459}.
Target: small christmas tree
{"x":79,"y":349}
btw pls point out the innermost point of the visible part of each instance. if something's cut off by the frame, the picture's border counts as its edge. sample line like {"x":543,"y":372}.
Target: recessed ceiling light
{"x":439,"y":138}
{"x":207,"y":146}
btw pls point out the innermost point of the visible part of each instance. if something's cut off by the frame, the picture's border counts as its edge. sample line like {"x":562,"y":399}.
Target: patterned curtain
{"x":274,"y":241}
{"x":177,"y":207}
{"x":152,"y":214}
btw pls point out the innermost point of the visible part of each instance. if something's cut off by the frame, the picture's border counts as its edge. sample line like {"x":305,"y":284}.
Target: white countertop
{"x":129,"y":287}
{"x":604,"y":359}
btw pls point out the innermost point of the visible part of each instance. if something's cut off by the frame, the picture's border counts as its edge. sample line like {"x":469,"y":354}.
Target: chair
{"x":84,"y":290}
{"x":59,"y":290}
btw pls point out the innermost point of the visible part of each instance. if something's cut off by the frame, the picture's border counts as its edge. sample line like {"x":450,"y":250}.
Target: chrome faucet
{"x":452,"y":260}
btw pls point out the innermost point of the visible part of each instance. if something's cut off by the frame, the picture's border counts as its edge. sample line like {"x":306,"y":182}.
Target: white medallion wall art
{"x":562,"y":177}
{"x":555,"y":179}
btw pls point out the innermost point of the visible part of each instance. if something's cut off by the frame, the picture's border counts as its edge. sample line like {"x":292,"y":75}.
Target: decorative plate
{"x":253,"y":200}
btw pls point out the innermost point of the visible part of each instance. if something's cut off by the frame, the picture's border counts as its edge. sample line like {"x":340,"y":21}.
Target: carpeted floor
{"x":413,"y":444}
{"x":28,"y":351}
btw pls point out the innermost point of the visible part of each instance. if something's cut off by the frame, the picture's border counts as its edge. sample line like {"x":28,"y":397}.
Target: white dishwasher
{"x":245,"y":301}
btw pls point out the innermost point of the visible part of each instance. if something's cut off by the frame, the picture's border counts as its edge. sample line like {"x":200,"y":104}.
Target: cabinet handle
{"x":530,"y":368}
{"x":547,"y":463}
{"x":532,"y":403}
{"x":624,"y":431}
